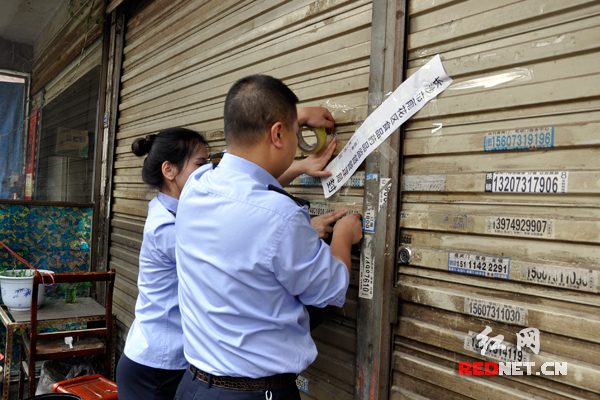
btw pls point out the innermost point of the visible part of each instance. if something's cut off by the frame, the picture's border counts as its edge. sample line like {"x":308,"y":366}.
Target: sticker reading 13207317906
{"x":478,"y":264}
{"x":543,"y":182}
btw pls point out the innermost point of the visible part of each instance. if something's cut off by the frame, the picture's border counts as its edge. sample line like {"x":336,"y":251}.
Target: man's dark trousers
{"x":191,"y":388}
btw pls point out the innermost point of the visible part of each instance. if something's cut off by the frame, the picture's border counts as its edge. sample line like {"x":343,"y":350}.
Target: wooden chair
{"x":49,"y":346}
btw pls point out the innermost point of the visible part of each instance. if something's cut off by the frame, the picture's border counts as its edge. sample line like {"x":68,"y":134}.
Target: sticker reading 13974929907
{"x":520,"y":226}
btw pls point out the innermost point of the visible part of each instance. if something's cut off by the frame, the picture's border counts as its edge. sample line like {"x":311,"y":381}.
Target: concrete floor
{"x":14,"y":387}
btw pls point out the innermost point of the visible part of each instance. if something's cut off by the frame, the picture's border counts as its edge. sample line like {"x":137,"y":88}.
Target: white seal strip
{"x":407,"y":99}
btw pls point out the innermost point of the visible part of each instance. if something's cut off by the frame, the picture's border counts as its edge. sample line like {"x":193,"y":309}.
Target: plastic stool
{"x":90,"y":387}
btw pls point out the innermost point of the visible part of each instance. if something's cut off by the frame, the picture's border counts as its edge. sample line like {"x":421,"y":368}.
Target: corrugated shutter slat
{"x":520,"y":68}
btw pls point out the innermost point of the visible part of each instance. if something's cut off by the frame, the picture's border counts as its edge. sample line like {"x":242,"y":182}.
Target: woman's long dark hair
{"x":175,"y":145}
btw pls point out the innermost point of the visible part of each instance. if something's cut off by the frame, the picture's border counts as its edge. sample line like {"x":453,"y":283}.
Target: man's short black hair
{"x":253,"y":105}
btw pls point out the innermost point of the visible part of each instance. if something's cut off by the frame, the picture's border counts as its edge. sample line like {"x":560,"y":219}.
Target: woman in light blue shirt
{"x":153,"y":362}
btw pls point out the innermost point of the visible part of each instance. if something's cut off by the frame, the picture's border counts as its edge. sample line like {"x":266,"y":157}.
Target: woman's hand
{"x":313,"y":165}
{"x":316,"y":117}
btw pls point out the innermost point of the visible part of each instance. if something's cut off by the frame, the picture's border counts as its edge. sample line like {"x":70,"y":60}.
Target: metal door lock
{"x":405,"y":255}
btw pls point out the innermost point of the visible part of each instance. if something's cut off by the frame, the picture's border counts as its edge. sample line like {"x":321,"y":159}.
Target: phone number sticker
{"x":365,"y":287}
{"x":569,"y":278}
{"x":369,"y":218}
{"x":519,"y":139}
{"x":302,"y":383}
{"x":477,"y":264}
{"x":322,"y":207}
{"x":509,"y":354}
{"x":533,"y":227}
{"x":552,"y":182}
{"x":369,"y":215}
{"x":496,"y":311}
{"x":424,"y":183}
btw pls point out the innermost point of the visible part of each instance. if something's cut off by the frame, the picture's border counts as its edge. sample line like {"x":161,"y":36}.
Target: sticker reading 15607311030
{"x":520,"y":226}
{"x":496,"y":311}
{"x":478,"y":264}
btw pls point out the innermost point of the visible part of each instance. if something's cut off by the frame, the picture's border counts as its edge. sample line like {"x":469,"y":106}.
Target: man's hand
{"x":322,"y":222}
{"x":350,"y":227}
{"x":346,"y":232}
{"x":316,"y":117}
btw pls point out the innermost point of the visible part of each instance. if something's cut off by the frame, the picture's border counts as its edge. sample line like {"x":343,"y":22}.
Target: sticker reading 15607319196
{"x":519,"y":139}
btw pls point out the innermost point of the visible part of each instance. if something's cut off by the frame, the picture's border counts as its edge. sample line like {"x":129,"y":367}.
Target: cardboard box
{"x":72,"y":142}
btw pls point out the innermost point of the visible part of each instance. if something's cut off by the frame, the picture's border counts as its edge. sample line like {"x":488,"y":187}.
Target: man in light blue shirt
{"x":248,"y":260}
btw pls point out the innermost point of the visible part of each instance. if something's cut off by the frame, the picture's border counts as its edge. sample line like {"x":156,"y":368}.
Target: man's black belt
{"x":236,"y":383}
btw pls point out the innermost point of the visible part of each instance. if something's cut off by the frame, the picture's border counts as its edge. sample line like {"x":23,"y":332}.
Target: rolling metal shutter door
{"x":520,"y":68}
{"x":180,"y":58}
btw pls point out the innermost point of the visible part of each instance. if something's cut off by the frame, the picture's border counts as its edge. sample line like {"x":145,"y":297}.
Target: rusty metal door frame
{"x":114,"y":38}
{"x":376,"y":316}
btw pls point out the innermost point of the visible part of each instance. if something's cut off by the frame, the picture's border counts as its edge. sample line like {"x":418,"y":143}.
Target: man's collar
{"x":242,"y":165}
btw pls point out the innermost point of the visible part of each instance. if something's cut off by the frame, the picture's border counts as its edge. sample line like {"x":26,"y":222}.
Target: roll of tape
{"x":321,"y":140}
